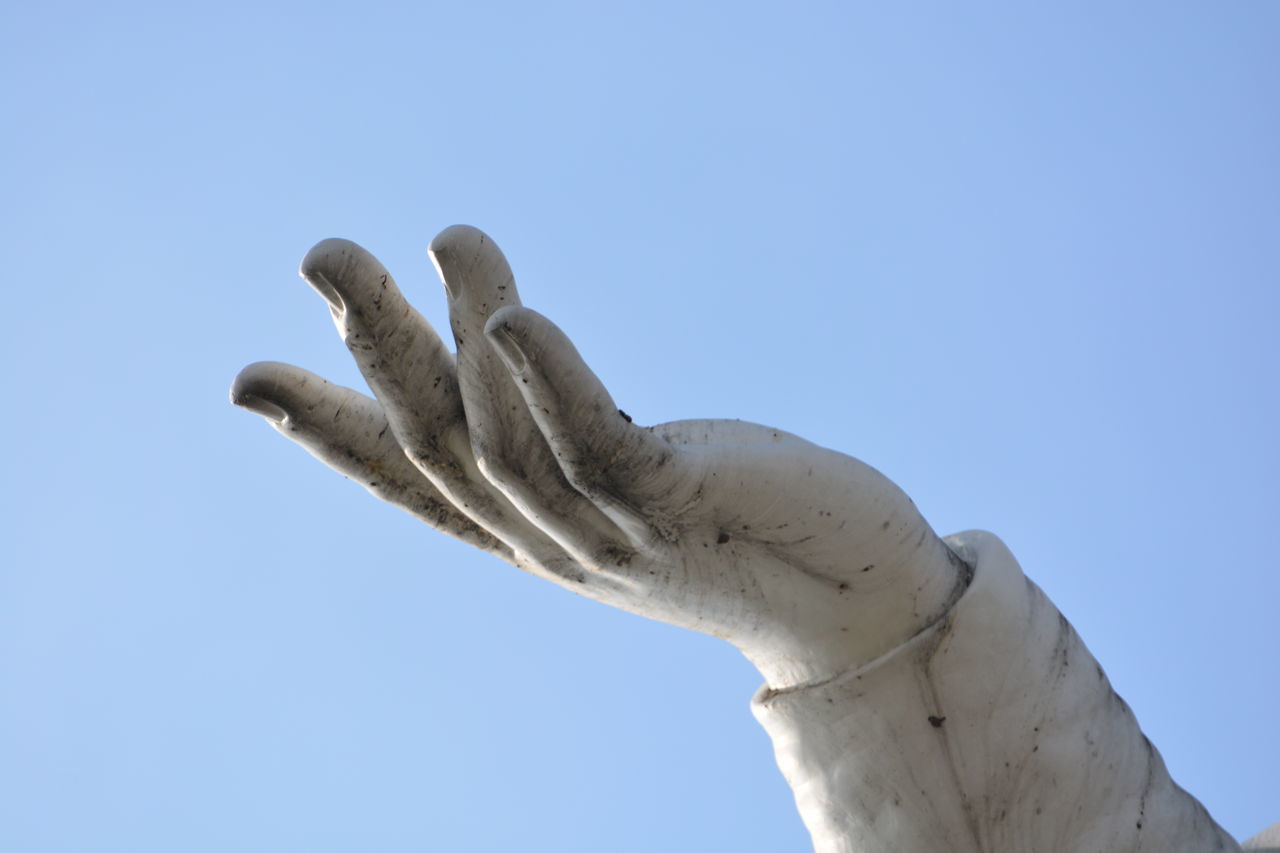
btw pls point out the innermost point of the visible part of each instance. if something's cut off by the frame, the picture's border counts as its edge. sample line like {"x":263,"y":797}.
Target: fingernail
{"x":452,"y":290}
{"x":508,"y":348}
{"x":321,"y":285}
{"x":259,"y":406}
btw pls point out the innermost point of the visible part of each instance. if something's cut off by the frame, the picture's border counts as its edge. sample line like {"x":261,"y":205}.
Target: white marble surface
{"x":1005,"y":736}
{"x":994,"y":729}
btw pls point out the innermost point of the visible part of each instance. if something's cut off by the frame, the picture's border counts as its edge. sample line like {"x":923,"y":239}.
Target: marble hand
{"x":808,"y":560}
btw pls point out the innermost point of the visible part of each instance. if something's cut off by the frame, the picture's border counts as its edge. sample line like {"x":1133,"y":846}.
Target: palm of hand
{"x":806,"y":559}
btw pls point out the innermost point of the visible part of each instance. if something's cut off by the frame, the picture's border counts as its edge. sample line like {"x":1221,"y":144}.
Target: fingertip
{"x":331,"y":257}
{"x":520,"y":334}
{"x":445,"y":250}
{"x":467,"y":259}
{"x":458,"y":240}
{"x":334,"y":266}
{"x":266,"y":408}
{"x":255,"y":379}
{"x":510,"y":346}
{"x":308,"y":408}
{"x":276,"y":390}
{"x":255,"y":389}
{"x":509,"y":318}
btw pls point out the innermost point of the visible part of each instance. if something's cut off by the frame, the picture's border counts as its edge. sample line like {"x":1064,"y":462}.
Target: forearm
{"x":993,"y":730}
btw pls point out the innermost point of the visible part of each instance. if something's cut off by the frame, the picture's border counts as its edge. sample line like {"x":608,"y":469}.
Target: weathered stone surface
{"x":922,"y":694}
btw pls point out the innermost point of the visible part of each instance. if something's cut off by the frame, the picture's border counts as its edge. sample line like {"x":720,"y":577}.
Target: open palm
{"x":806,"y":559}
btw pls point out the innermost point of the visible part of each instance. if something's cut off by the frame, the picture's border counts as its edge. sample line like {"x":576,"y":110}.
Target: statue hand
{"x":806,"y":559}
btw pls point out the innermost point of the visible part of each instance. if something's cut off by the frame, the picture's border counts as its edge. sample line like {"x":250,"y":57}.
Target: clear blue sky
{"x":1023,"y":258}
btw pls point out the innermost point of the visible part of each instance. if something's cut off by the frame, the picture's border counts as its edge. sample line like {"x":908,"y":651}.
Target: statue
{"x":921,"y":693}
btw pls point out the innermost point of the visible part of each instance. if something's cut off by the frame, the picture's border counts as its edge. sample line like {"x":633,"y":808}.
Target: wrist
{"x":841,"y":632}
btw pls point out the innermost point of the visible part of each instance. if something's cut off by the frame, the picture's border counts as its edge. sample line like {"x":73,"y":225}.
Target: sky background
{"x":1022,"y":257}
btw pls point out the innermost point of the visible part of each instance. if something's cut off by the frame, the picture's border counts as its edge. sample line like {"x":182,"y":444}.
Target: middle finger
{"x":506,"y":442}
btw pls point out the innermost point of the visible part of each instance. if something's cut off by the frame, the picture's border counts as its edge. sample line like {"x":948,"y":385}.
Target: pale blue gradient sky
{"x":1022,"y":259}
